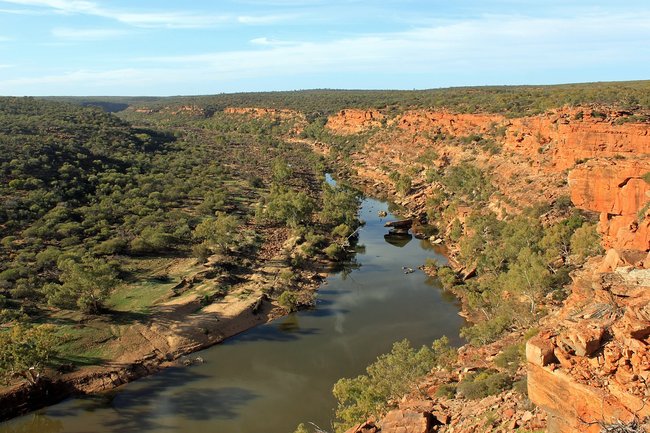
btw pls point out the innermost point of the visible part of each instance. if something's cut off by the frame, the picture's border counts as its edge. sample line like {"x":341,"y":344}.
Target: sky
{"x":170,"y":47}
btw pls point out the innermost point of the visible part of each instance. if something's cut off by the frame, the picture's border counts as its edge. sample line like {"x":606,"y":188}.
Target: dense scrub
{"x":511,"y":100}
{"x":87,"y":198}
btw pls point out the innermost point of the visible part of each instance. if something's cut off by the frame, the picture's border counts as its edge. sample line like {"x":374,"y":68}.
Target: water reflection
{"x":275,"y":376}
{"x":398,"y":239}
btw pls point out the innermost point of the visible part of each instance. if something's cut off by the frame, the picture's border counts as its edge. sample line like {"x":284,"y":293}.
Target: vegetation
{"x":482,"y":384}
{"x":510,"y":100}
{"x":387,"y":379}
{"x":25,"y":350}
{"x":95,"y":210}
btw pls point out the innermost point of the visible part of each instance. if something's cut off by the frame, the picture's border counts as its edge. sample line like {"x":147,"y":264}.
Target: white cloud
{"x":494,"y":42}
{"x":264,"y":19}
{"x":271,"y":42}
{"x":72,"y":34}
{"x":174,"y":19}
{"x":6,"y":66}
{"x":491,"y":49}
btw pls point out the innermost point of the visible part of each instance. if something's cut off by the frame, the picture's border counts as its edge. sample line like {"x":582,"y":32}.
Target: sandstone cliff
{"x":616,"y":189}
{"x":590,"y":365}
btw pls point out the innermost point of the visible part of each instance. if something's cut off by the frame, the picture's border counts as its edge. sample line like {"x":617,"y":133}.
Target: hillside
{"x":540,"y":195}
{"x":125,"y":247}
{"x":523,"y":198}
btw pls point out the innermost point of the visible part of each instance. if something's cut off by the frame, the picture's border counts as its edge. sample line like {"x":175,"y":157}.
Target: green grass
{"x":140,"y":296}
{"x":81,"y":346}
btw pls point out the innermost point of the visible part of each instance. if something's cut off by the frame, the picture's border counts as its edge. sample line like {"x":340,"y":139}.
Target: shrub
{"x":521,"y":386}
{"x":302,"y":428}
{"x":25,"y":350}
{"x":201,"y":252}
{"x":403,"y":185}
{"x":341,"y":231}
{"x":585,"y":241}
{"x":334,"y":251}
{"x":448,"y":390}
{"x":288,"y":300}
{"x":388,"y":378}
{"x":448,"y":277}
{"x":443,"y":354}
{"x":510,"y":358}
{"x":487,"y":331}
{"x":483,"y":384}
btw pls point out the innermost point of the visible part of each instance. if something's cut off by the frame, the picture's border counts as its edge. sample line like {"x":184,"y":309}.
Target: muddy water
{"x":275,"y":376}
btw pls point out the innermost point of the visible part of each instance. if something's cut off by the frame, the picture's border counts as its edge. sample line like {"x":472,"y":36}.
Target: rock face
{"x":572,"y":134}
{"x":276,"y":113}
{"x":354,"y":121}
{"x":616,"y":189}
{"x":592,"y":364}
{"x":448,"y":123}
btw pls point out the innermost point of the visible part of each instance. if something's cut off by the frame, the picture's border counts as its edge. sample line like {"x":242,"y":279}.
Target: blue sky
{"x":163,"y":47}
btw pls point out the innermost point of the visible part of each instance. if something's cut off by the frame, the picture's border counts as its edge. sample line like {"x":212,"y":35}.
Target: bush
{"x":487,"y":331}
{"x":585,"y":241}
{"x":334,"y":251}
{"x":302,"y":428}
{"x":483,"y":384}
{"x":521,"y":386}
{"x":443,"y":354}
{"x":448,"y":390}
{"x":201,"y":252}
{"x":341,"y":231}
{"x":448,"y":277}
{"x":25,"y":350}
{"x":288,"y":300}
{"x":388,"y":378}
{"x":510,"y":358}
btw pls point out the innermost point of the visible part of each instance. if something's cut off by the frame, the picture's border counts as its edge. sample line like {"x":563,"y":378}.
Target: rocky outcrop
{"x":569,"y":135}
{"x":615,"y":187}
{"x":443,"y":122}
{"x":276,"y":113}
{"x":592,"y":364}
{"x":354,"y":121}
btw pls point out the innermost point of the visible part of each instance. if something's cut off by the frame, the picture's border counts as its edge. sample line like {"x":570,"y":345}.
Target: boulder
{"x":584,"y":340}
{"x":407,"y":421}
{"x":539,"y":351}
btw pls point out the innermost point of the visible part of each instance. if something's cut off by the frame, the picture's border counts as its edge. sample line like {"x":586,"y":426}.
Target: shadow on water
{"x":144,"y":408}
{"x":272,"y":334}
{"x":202,"y":404}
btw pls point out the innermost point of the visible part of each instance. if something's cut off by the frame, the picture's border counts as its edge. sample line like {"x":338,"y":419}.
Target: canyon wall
{"x":590,"y":364}
{"x":617,"y":190}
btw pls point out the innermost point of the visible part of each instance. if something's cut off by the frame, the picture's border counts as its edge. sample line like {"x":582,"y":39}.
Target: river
{"x":271,"y":378}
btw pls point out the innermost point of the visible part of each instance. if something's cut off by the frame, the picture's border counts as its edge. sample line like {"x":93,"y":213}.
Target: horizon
{"x":432,"y":89}
{"x":164,"y":49}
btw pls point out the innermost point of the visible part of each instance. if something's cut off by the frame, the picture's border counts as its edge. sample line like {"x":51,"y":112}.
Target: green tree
{"x":585,"y":241}
{"x":289,"y":207}
{"x":219,"y":232}
{"x":281,"y":171}
{"x":388,"y":378}
{"x":528,"y":275}
{"x":84,"y":285}
{"x":25,"y":350}
{"x":340,"y":205}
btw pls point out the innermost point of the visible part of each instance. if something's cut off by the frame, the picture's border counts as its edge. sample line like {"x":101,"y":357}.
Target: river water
{"x":271,"y":378}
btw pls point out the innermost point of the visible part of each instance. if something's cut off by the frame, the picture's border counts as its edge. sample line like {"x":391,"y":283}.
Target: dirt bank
{"x":185,"y":323}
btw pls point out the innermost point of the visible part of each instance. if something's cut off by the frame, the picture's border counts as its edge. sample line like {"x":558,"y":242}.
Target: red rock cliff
{"x":616,"y":189}
{"x":353,"y":121}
